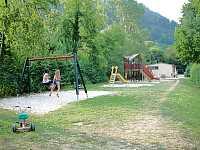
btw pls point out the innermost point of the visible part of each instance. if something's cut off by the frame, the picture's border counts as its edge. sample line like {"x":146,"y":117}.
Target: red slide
{"x":149,"y":73}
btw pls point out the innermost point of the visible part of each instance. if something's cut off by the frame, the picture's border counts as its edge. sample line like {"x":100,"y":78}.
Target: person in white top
{"x":46,"y":79}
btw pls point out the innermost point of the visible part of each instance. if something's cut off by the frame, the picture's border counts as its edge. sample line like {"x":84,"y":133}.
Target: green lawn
{"x":66,"y":127}
{"x":183,"y":106}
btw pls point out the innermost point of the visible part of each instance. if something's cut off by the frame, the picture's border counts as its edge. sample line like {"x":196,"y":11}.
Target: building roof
{"x":160,"y":64}
{"x":132,"y":57}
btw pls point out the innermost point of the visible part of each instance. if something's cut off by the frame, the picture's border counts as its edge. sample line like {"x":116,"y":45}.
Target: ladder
{"x":113,"y":75}
{"x":112,"y":78}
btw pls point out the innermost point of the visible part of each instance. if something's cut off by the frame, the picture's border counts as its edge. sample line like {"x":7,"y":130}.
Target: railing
{"x":133,"y":66}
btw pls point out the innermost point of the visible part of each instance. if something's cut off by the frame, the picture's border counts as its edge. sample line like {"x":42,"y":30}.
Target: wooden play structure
{"x":134,"y":70}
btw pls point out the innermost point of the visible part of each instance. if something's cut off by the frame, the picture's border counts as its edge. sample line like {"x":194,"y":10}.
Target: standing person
{"x":56,"y":81}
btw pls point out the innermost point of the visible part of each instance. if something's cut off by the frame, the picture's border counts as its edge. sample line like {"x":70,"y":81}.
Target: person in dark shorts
{"x":56,"y":82}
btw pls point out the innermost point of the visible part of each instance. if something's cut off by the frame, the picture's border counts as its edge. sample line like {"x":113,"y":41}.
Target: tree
{"x":24,"y":26}
{"x":188,"y":33}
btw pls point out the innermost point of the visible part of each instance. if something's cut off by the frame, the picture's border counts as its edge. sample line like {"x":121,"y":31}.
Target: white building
{"x":162,"y":70}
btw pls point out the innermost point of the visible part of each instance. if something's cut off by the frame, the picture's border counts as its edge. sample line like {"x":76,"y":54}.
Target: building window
{"x":154,"y":67}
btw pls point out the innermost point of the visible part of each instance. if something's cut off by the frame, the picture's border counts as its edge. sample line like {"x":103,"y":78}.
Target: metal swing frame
{"x":77,"y":72}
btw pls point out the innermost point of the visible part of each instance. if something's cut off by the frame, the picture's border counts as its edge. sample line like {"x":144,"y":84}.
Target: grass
{"x":60,"y":125}
{"x":69,"y":127}
{"x":183,"y":106}
{"x":89,"y":86}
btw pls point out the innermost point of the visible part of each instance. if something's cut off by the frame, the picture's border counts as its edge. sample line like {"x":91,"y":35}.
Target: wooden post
{"x":116,"y":69}
{"x":112,"y":71}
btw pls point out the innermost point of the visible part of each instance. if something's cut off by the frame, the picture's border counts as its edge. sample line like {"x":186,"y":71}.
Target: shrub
{"x":8,"y":76}
{"x":187,"y":70}
{"x":195,"y":73}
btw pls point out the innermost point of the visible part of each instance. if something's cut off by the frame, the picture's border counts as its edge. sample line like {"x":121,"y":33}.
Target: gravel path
{"x":43,"y":103}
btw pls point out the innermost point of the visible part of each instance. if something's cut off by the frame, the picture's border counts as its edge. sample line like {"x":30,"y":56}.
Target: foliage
{"x":170,"y":56}
{"x":23,"y":23}
{"x":156,"y":54}
{"x":187,"y":70}
{"x":8,"y":75}
{"x":195,"y":74}
{"x":188,"y":33}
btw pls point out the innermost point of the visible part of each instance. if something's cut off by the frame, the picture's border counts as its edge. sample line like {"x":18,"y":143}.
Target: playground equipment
{"x":148,"y":73}
{"x":116,"y":76}
{"x":23,"y":125}
{"x":77,"y":72}
{"x":135,"y":70}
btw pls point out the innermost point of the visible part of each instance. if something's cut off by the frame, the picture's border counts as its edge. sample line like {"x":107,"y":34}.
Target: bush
{"x":187,"y":70}
{"x":195,"y":74}
{"x":8,"y":76}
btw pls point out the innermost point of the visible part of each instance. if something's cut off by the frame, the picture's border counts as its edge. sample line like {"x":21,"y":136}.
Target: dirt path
{"x":148,"y":129}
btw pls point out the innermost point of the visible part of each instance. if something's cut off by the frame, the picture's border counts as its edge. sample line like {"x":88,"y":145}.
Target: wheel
{"x":32,"y":127}
{"x":14,"y":128}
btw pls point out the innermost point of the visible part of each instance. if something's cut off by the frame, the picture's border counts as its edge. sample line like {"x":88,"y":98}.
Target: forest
{"x":108,"y":30}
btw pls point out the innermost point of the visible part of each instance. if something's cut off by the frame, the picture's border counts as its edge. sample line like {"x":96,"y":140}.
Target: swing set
{"x":77,"y":72}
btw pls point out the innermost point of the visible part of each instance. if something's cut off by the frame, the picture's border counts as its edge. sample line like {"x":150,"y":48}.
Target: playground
{"x":87,"y":75}
{"x":131,"y":111}
{"x":134,"y":71}
{"x":131,"y":118}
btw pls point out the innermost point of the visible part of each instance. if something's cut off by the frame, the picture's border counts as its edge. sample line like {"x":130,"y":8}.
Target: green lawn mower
{"x":23,"y":125}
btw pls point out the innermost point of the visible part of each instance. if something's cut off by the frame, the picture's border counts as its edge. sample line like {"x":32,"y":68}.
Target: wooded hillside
{"x":161,"y":29}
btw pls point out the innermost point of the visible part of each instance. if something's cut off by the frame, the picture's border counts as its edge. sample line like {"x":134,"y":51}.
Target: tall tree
{"x":188,"y":33}
{"x":23,"y":23}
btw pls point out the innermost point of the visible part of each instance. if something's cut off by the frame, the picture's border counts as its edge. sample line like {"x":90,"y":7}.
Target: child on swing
{"x":46,"y":79}
{"x":56,"y":82}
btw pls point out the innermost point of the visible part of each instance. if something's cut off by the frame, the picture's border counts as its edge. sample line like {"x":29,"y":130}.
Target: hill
{"x":160,"y":28}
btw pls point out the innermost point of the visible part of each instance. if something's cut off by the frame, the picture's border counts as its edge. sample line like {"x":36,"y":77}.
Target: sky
{"x":168,"y":8}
